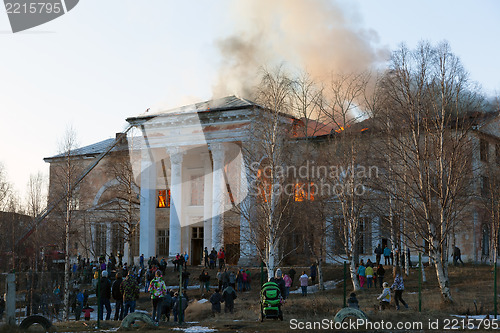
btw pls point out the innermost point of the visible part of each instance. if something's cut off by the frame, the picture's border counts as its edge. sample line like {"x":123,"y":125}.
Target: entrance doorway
{"x":196,"y":246}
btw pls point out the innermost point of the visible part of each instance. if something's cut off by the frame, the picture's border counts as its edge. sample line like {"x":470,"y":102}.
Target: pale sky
{"x":107,"y":60}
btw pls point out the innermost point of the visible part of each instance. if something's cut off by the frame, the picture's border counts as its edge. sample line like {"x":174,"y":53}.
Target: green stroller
{"x":270,"y":301}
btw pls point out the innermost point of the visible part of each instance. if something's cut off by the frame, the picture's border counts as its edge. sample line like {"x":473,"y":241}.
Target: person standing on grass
{"x":239,"y":281}
{"x":80,"y":299}
{"x":228,"y":297}
{"x":183,"y":305}
{"x":398,"y":287}
{"x":385,"y":297}
{"x":292,"y":273}
{"x":378,"y":253}
{"x":304,"y":280}
{"x":380,"y":275}
{"x":141,"y":261}
{"x":288,"y":284}
{"x":457,"y":256}
{"x":185,"y":279}
{"x":118,"y":296}
{"x":105,"y":295}
{"x":221,"y":255}
{"x":249,"y":280}
{"x":130,"y":291}
{"x":186,"y":258}
{"x":218,"y":276}
{"x":314,"y":273}
{"x":216,"y":299}
{"x":204,"y":281}
{"x":206,"y":260}
{"x":244,"y":279}
{"x":158,"y":290}
{"x":369,"y":275}
{"x":387,"y":255}
{"x":361,"y":274}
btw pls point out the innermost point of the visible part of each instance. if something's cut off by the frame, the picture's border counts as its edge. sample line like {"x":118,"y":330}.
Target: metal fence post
{"x":180,"y":295}
{"x":345,"y":284}
{"x":420,"y":282}
{"x":495,"y":287}
{"x":99,"y":308}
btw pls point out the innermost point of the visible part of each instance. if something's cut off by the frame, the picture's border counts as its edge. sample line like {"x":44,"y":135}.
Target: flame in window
{"x":303,"y":192}
{"x":164,"y":199}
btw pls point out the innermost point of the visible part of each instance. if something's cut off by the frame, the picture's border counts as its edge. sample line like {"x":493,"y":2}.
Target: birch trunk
{"x":442,"y":276}
{"x":354,"y":277}
{"x":67,"y":270}
{"x":321,"y":284}
{"x":271,"y":261}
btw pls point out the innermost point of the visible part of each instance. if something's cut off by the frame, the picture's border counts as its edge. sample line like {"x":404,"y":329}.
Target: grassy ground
{"x":471,"y":287}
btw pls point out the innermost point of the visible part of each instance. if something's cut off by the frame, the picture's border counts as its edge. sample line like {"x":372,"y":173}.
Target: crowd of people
{"x":114,"y":281}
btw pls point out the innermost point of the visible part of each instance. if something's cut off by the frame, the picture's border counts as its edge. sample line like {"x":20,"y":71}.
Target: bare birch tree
{"x":36,"y":201}
{"x":430,"y":109}
{"x":345,"y":155}
{"x":266,"y":155}
{"x":126,"y":206}
{"x":63,"y":176}
{"x":5,"y":188}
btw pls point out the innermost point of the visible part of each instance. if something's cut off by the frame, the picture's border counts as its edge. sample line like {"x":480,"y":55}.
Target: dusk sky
{"x":108,"y":60}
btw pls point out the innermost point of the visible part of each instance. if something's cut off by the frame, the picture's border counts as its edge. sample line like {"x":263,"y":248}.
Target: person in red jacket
{"x":221,"y":256}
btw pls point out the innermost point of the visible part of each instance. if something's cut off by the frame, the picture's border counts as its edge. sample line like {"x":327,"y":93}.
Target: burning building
{"x":189,"y":186}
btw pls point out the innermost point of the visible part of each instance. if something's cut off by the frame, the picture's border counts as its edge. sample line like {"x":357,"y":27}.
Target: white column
{"x":126,"y":253}
{"x":376,"y":232}
{"x":247,"y":252}
{"x":147,"y":239}
{"x":174,"y":242}
{"x":109,"y":238}
{"x":218,"y":197}
{"x":207,"y":203}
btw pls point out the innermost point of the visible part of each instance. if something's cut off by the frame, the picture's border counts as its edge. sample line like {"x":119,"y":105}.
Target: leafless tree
{"x":5,"y":188}
{"x":266,"y":155}
{"x":309,"y":203}
{"x":126,"y":203}
{"x":36,"y":201}
{"x":430,"y":107}
{"x":345,"y":153}
{"x":490,"y":198}
{"x":63,"y":177}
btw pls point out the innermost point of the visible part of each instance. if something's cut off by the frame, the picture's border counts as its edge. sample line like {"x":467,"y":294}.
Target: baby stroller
{"x":270,"y":301}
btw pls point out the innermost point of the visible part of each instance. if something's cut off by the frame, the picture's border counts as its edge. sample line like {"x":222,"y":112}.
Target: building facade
{"x":187,"y":173}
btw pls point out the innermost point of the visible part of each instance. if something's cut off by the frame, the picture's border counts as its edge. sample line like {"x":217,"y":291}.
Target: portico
{"x":194,"y":156}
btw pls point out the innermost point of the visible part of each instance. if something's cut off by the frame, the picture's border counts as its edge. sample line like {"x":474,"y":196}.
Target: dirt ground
{"x":471,"y":287}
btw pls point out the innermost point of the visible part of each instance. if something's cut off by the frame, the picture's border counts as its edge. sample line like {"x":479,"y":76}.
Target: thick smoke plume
{"x":313,"y":36}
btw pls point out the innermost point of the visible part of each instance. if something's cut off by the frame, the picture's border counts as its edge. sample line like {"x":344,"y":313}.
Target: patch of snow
{"x":475,"y":317}
{"x":314,"y":288}
{"x":195,"y":287}
{"x":203,"y":300}
{"x":195,"y":329}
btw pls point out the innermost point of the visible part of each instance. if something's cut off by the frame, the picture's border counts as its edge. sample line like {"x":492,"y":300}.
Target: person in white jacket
{"x":304,"y":281}
{"x":385,"y":297}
